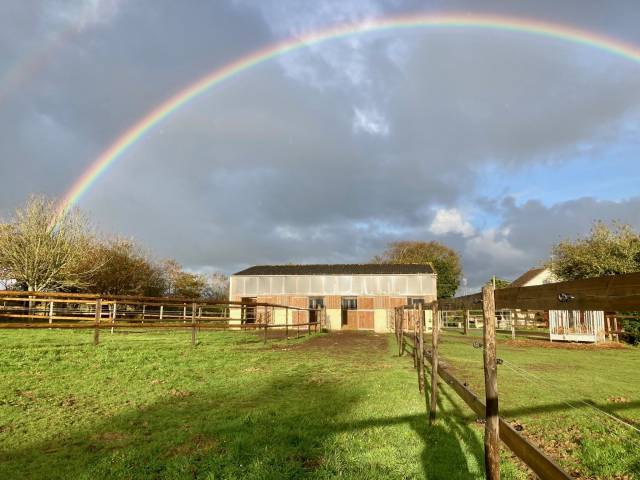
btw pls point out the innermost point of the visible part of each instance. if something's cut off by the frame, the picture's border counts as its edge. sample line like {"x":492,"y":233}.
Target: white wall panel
{"x":322,"y":285}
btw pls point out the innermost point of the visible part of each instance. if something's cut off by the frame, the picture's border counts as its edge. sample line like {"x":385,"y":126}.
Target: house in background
{"x":354,"y":296}
{"x":535,"y":276}
{"x":564,"y":325}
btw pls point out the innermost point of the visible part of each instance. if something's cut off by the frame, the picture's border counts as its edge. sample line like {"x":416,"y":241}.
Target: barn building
{"x":354,"y":296}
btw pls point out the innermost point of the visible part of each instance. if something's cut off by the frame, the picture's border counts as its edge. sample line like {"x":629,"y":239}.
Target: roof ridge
{"x":338,"y":268}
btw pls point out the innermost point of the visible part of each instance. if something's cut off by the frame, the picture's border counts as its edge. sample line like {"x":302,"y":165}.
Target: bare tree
{"x":217,"y":286}
{"x":43,"y":251}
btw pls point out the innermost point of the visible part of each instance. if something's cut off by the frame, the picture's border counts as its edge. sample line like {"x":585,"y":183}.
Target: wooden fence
{"x":34,"y":310}
{"x":619,"y":294}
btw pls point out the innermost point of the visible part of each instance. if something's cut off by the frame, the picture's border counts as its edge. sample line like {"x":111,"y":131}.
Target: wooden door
{"x":365,"y":320}
{"x":349,"y":319}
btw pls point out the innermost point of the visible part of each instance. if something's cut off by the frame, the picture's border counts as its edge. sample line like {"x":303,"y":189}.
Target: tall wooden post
{"x":144,"y":309}
{"x":434,"y":362}
{"x":420,"y":347}
{"x":615,"y":328}
{"x":466,"y":322}
{"x":193,"y":324}
{"x":51,"y":312}
{"x":491,"y":429}
{"x":96,"y":331}
{"x":162,"y":311}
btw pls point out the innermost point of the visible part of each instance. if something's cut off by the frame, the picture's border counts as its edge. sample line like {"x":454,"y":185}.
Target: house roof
{"x":339,"y":269}
{"x":526,"y":277}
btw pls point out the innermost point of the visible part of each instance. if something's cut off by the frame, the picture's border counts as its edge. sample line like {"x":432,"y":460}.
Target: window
{"x":248,"y":311}
{"x":415,"y":301}
{"x":349,"y":303}
{"x":316,"y":302}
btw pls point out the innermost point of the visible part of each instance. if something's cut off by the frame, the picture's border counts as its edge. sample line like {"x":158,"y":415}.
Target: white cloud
{"x":287,"y":232}
{"x":370,"y":121}
{"x":344,"y":63}
{"x":83,"y":14}
{"x":450,"y":221}
{"x":494,"y":245}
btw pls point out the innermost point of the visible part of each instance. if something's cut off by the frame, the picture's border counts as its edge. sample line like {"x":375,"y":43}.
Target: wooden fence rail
{"x":542,"y":465}
{"x":615,"y":293}
{"x":611,"y":293}
{"x":46,"y":310}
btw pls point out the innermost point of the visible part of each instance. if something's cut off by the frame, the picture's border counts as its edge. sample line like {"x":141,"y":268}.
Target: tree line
{"x":41,"y":250}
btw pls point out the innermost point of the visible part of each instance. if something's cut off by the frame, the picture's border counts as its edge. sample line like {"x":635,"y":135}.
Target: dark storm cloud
{"x":327,"y":154}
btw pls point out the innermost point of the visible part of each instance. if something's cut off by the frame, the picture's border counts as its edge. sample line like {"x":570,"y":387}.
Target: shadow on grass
{"x":287,"y":429}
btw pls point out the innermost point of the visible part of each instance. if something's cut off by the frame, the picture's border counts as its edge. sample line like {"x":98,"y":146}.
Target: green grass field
{"x":333,"y":406}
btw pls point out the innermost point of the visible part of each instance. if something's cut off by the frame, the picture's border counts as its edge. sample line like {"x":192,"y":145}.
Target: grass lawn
{"x":551,"y":389}
{"x":341,"y":405}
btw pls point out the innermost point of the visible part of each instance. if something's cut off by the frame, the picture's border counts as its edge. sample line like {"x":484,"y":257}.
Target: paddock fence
{"x":49,"y":310}
{"x":617,"y":295}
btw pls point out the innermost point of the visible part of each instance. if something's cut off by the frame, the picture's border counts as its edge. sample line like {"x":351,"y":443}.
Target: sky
{"x":497,"y":144}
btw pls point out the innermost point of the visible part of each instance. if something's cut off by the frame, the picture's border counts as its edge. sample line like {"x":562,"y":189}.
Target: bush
{"x":631,"y":332}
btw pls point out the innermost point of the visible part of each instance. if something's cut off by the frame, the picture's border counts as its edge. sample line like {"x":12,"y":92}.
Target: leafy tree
{"x":126,"y":269}
{"x":184,"y":284}
{"x":445,"y":261}
{"x":42,"y":250}
{"x":500,"y":282}
{"x":605,"y":251}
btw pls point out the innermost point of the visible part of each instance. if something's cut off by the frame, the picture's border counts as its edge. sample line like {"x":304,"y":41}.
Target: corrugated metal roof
{"x":339,"y":269}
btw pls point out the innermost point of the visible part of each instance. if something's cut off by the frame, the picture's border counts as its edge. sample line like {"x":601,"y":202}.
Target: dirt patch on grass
{"x":110,"y":437}
{"x":196,"y":444}
{"x":563,"y":345}
{"x":345,"y":343}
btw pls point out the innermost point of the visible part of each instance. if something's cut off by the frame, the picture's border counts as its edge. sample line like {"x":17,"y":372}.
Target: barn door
{"x":349,"y":313}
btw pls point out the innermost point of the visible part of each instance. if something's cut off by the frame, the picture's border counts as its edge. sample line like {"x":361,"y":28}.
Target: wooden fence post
{"x":434,"y":362}
{"x":491,"y":428}
{"x":415,"y":338}
{"x":396,"y":322}
{"x":265,"y":330}
{"x":420,"y":347}
{"x":401,"y":332}
{"x":193,"y":323}
{"x":466,"y":322}
{"x":50,"y":312}
{"x":144,"y":309}
{"x":286,"y":322}
{"x":113,"y":318}
{"x":96,"y":331}
{"x":265,"y":326}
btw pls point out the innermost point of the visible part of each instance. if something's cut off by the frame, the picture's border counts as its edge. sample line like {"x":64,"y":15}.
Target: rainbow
{"x":488,"y":22}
